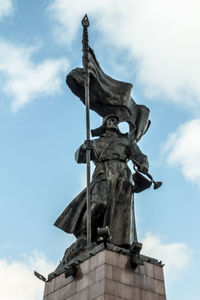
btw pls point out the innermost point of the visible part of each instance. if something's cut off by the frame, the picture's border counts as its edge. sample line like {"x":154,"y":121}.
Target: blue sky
{"x":152,"y":44}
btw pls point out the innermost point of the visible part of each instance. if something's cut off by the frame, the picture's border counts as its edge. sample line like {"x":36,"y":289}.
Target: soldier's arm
{"x":139,"y":157}
{"x":80,"y":154}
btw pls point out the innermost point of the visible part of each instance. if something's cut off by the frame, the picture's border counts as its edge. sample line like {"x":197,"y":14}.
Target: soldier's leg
{"x":97,"y":216}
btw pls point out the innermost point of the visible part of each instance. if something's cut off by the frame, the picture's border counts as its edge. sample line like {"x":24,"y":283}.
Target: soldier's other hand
{"x":143,"y":169}
{"x":88,"y":145}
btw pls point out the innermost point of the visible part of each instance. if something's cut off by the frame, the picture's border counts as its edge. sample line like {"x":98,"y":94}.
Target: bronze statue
{"x":111,"y":188}
{"x":108,"y":200}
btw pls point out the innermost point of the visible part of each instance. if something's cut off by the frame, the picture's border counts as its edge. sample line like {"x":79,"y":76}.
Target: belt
{"x":122,"y":159}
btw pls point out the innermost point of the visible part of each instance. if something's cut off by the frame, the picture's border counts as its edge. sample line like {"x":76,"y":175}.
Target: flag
{"x":109,"y":96}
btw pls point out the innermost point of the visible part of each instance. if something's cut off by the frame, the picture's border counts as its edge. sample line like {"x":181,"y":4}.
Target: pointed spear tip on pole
{"x":85,"y":21}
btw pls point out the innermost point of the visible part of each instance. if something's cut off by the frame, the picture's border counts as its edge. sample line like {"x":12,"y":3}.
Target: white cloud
{"x":175,"y":256}
{"x":25,"y":80}
{"x":183,"y":148}
{"x":161,"y":35}
{"x":6,"y":8}
{"x":18,"y":281}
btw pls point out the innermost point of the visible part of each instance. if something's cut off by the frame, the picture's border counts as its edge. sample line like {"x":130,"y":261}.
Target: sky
{"x":152,"y":44}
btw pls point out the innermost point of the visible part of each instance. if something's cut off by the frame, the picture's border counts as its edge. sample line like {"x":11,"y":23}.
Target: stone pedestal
{"x":109,"y":275}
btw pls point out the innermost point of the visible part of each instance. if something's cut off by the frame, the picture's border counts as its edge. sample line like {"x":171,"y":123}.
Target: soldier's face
{"x":112,"y":123}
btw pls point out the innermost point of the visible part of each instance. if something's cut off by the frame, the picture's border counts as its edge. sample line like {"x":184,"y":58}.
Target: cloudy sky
{"x":153,"y":44}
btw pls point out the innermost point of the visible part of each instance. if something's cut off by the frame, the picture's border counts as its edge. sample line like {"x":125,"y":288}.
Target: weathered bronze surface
{"x":111,"y":187}
{"x":106,"y":206}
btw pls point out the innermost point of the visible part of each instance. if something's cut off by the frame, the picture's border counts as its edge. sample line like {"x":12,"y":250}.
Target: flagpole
{"x":85,"y":23}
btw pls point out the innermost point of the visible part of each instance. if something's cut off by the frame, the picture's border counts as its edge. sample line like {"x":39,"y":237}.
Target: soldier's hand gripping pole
{"x":85,"y":59}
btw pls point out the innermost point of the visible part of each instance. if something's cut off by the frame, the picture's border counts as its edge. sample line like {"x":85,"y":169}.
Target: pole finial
{"x":85,"y":21}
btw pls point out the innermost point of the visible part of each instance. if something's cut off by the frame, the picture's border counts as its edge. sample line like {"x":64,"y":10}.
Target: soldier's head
{"x":111,"y":122}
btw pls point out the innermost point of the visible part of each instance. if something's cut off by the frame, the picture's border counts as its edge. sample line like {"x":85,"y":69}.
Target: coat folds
{"x":111,"y":190}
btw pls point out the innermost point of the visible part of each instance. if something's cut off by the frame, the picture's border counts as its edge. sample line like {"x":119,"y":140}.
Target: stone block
{"x":82,"y":295}
{"x":116,"y":273}
{"x":112,"y":258}
{"x":126,"y":277}
{"x":158,"y":272}
{"x":123,"y":261}
{"x":160,"y":287}
{"x":85,"y":266}
{"x":96,"y":289}
{"x":100,"y":272}
{"x":108,"y":271}
{"x":112,"y":287}
{"x":101,"y":258}
{"x":130,"y":293}
{"x":120,"y":290}
{"x":50,"y":297}
{"x":141,"y":269}
{"x":65,"y":292}
{"x":108,"y":276}
{"x":62,"y":281}
{"x":82,"y":283}
{"x":49,"y":287}
{"x":149,"y":270}
{"x":93,"y":262}
{"x":138,"y":280}
{"x":92,"y":277}
{"x":146,"y":295}
{"x":150,"y":284}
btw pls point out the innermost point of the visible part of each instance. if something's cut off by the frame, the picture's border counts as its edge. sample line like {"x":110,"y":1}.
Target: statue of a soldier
{"x":111,"y":188}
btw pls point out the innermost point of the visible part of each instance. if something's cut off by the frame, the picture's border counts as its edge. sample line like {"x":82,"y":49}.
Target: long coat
{"x":111,"y":188}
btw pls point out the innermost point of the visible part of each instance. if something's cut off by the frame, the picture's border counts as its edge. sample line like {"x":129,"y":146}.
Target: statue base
{"x":107,"y":272}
